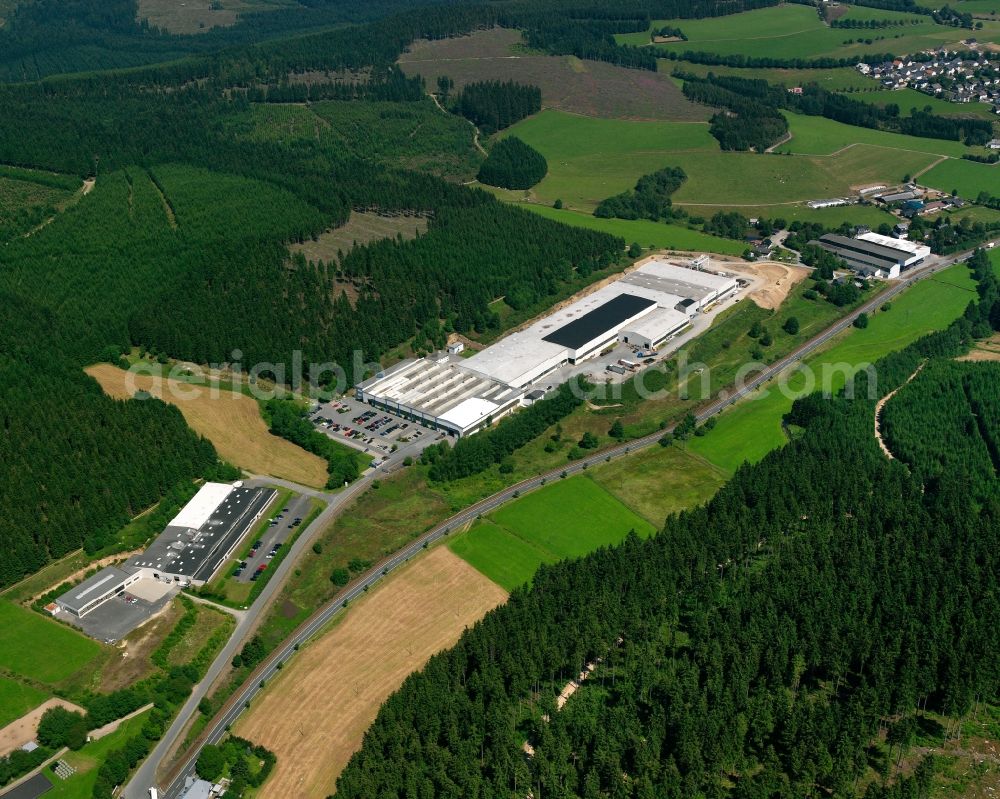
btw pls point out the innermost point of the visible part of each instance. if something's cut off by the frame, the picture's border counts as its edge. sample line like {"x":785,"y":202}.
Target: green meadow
{"x":835,"y":80}
{"x":796,"y":31}
{"x":908,"y":99}
{"x":16,"y":699}
{"x":658,"y":235}
{"x":968,"y":177}
{"x":42,"y":650}
{"x":814,"y":135}
{"x":566,"y":519}
{"x":591,"y":159}
{"x":751,"y":429}
{"x":87,"y":761}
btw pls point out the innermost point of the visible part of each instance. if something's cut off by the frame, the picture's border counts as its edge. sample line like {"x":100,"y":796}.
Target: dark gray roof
{"x":198,"y":553}
{"x":858,"y":252}
{"x":602,"y":319}
{"x":94,"y":587}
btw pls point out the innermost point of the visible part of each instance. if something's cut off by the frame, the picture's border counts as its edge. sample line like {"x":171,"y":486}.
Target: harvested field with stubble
{"x":313,"y":716}
{"x":592,"y":88}
{"x":231,"y":421}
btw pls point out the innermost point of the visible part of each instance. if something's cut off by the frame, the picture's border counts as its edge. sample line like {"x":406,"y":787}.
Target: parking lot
{"x":117,"y":617}
{"x":280,"y":528}
{"x":383,"y":435}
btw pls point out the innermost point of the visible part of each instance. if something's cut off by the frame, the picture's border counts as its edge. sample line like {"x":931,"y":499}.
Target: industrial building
{"x":190,"y":550}
{"x":439,"y":393}
{"x":874,"y":255}
{"x":460,"y":396}
{"x":96,"y":590}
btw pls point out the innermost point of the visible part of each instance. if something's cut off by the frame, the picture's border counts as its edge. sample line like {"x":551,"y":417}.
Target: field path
{"x":475,"y":130}
{"x":878,"y":413}
{"x":929,"y":167}
{"x":314,"y":715}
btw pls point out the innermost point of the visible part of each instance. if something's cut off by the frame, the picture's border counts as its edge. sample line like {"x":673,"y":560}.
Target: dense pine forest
{"x":759,"y":644}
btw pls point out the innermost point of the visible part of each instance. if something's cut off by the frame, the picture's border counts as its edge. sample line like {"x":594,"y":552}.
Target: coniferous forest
{"x":759,"y":644}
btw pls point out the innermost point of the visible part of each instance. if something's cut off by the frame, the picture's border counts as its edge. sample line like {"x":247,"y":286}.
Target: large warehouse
{"x":644,"y":303}
{"x":190,"y":550}
{"x":439,"y":393}
{"x":874,"y":255}
{"x":461,"y":396}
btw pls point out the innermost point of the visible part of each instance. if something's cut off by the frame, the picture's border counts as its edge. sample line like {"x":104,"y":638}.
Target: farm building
{"x":874,"y":255}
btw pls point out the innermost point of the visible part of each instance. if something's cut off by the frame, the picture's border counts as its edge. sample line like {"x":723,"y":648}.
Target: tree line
{"x":473,"y":454}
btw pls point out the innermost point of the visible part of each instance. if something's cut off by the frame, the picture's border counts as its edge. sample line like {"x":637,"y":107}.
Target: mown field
{"x":908,"y":99}
{"x":751,"y":429}
{"x":562,"y":520}
{"x":314,"y":715}
{"x":231,"y":421}
{"x":593,"y":88}
{"x":836,"y":80}
{"x":821,"y":136}
{"x":796,"y":31}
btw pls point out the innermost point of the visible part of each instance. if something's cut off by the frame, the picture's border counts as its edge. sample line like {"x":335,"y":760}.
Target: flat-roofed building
{"x":873,"y":255}
{"x":441,"y":393}
{"x":203,"y":535}
{"x":93,"y":592}
{"x":461,"y":396}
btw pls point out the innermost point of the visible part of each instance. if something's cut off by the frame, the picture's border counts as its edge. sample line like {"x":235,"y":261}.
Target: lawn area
{"x":42,"y":650}
{"x":657,"y":235}
{"x":87,"y":760}
{"x":968,"y":177}
{"x":567,"y":519}
{"x":753,"y":428}
{"x":591,"y":159}
{"x":796,"y":31}
{"x":659,"y":481}
{"x":815,"y":135}
{"x":16,"y":699}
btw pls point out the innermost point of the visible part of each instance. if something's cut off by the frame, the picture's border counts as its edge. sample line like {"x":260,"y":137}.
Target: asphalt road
{"x":144,"y":777}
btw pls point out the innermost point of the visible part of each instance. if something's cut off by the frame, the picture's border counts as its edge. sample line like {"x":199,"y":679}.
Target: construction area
{"x":632,"y":316}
